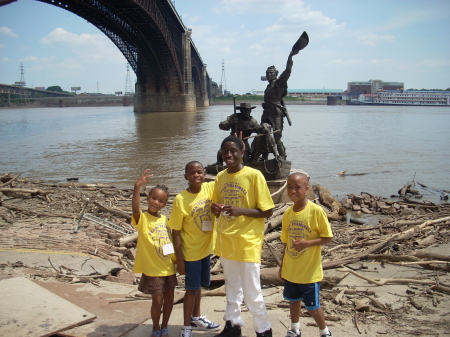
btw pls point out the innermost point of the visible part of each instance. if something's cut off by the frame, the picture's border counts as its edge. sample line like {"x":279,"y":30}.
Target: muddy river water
{"x":393,"y":145}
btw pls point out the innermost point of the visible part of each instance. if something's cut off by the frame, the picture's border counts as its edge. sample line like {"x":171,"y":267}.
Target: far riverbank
{"x":98,"y":101}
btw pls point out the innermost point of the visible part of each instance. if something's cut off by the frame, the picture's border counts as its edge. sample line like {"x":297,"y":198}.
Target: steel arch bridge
{"x":171,"y":75}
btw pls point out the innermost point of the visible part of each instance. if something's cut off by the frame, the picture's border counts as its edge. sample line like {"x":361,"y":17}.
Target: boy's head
{"x":194,"y":173}
{"x":157,"y":198}
{"x":232,"y":149}
{"x":297,"y":187}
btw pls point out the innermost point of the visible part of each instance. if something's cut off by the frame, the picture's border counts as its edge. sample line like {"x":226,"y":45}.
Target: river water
{"x":393,"y":145}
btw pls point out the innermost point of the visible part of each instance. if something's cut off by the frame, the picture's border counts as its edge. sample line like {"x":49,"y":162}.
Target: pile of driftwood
{"x":54,"y":216}
{"x":408,"y":224}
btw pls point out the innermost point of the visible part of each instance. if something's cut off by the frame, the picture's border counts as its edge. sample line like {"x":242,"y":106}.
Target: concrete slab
{"x":82,"y":264}
{"x":27,"y":309}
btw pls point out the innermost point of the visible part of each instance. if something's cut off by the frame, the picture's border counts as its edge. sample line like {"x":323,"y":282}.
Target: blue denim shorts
{"x":197,"y":274}
{"x":308,"y":293}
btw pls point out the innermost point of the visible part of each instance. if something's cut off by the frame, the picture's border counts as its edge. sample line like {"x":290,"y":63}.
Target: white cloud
{"x":373,"y":39}
{"x":188,"y":19}
{"x":7,"y":32}
{"x":88,"y":47}
{"x":432,"y":63}
{"x":382,"y":61}
{"x":288,"y":16}
{"x":2,"y":45}
{"x":35,"y":59}
{"x":30,"y":58}
{"x":5,"y":59}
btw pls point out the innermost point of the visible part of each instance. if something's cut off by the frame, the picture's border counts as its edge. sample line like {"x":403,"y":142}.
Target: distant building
{"x":355,"y":88}
{"x":314,"y":92}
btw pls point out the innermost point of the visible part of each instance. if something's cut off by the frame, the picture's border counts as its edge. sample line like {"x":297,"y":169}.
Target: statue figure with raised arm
{"x":274,"y":107}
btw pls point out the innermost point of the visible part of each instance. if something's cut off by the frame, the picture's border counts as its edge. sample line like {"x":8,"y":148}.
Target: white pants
{"x":242,"y":282}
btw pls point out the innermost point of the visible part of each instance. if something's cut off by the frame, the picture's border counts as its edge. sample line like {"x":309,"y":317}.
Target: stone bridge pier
{"x":191,"y":94}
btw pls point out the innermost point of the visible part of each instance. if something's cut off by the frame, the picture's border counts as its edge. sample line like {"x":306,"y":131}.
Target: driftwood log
{"x":114,"y":211}
{"x":127,"y":239}
{"x":10,"y":181}
{"x":338,"y":211}
{"x":402,"y":192}
{"x":23,"y":190}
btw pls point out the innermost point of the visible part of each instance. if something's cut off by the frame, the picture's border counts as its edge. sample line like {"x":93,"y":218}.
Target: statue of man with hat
{"x":241,"y":121}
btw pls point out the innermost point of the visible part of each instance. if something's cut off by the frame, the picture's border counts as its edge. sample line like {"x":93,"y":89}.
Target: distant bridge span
{"x":27,"y":93}
{"x":171,"y":75}
{"x":30,"y":93}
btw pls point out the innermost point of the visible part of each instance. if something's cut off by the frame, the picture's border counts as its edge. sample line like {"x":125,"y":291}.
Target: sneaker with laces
{"x":329,"y":334}
{"x":267,"y":333}
{"x":292,"y":333}
{"x":230,"y":331}
{"x":185,"y":332}
{"x":202,"y":323}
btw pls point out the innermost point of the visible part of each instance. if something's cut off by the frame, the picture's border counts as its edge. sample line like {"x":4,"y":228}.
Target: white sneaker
{"x":185,"y":332}
{"x":292,"y":333}
{"x":202,"y":323}
{"x":329,"y":334}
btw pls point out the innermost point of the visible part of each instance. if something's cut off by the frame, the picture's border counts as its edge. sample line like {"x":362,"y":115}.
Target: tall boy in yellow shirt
{"x":241,"y":201}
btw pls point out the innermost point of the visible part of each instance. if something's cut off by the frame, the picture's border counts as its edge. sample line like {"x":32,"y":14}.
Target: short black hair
{"x":190,"y":163}
{"x":163,"y":188}
{"x":235,"y":140}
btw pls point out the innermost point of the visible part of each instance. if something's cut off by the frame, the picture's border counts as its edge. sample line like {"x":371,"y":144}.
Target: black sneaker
{"x":267,"y":333}
{"x":230,"y":331}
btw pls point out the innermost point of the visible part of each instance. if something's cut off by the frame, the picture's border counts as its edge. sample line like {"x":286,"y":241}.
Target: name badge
{"x":207,"y":225}
{"x":168,"y":249}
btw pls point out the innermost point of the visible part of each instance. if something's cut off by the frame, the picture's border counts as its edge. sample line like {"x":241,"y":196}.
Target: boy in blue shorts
{"x":193,"y":239}
{"x":305,"y":228}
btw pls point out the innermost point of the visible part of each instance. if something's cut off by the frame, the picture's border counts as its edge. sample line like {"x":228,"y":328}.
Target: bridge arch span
{"x":156,"y":44}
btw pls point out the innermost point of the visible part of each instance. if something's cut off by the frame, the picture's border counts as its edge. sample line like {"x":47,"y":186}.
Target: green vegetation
{"x":448,"y":89}
{"x":56,"y":88}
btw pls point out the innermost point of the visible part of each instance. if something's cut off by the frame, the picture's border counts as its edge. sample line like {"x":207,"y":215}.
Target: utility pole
{"x":22,"y":82}
{"x":128,"y":88}
{"x":223,"y":81}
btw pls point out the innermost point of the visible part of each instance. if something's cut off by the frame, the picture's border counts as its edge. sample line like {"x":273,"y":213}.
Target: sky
{"x":349,"y":40}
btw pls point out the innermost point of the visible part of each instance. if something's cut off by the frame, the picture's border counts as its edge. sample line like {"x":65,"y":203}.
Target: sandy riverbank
{"x":397,"y":281}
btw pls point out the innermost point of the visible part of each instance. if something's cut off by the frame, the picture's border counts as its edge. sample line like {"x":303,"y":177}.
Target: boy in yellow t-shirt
{"x":155,"y":253}
{"x":193,"y":238}
{"x":305,"y":228}
{"x":241,"y":201}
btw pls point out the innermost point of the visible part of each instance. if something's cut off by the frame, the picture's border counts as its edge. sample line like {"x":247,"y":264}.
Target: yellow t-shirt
{"x":190,"y":212}
{"x":308,"y":224}
{"x":240,"y":238}
{"x":153,"y":233}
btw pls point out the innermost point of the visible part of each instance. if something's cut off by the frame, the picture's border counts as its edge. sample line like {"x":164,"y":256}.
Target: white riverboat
{"x":410,"y":98}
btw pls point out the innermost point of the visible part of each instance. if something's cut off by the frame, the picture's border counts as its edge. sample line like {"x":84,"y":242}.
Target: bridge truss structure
{"x":171,"y":75}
